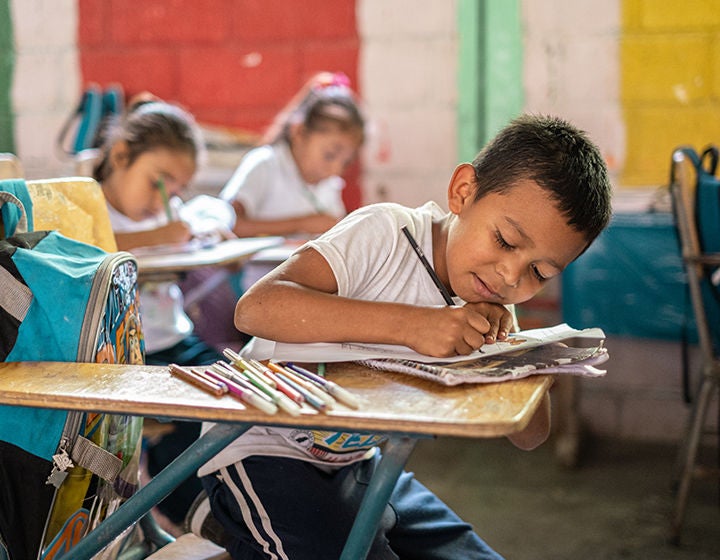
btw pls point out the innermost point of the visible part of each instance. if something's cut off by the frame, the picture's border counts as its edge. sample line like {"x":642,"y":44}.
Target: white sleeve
{"x":357,"y":249}
{"x":248,"y":184}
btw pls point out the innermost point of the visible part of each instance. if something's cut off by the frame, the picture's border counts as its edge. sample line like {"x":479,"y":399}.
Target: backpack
{"x":89,"y":120}
{"x":63,"y":472}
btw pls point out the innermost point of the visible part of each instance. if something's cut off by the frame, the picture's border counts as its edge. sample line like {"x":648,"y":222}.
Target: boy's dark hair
{"x":560,"y":158}
{"x":149,"y":126}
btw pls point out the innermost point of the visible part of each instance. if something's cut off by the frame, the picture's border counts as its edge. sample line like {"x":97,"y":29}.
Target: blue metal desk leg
{"x":160,"y":486}
{"x":395,"y":454}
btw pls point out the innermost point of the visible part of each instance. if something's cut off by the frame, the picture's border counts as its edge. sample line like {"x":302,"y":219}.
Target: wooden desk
{"x":404,"y":407}
{"x":225,"y":253}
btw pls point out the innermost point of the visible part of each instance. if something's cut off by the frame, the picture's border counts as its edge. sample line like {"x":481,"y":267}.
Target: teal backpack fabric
{"x":87,"y":124}
{"x":62,"y":300}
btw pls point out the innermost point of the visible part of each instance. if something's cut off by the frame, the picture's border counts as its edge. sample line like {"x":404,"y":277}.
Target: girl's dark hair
{"x":560,"y":159}
{"x":323,"y":106}
{"x":150,"y":126}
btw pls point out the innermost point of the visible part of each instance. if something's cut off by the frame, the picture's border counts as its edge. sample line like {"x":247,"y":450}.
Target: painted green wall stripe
{"x":470,"y":113}
{"x":504,"y":96}
{"x":7,"y":64}
{"x":490,"y":86}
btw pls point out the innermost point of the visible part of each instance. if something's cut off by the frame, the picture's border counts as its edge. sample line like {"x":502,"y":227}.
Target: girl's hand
{"x":173,"y":232}
{"x":453,"y":331}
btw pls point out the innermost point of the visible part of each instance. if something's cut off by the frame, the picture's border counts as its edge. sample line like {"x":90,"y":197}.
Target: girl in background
{"x":292,"y":184}
{"x":148,"y":159}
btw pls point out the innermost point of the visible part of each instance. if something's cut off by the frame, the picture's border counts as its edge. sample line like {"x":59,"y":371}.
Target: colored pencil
{"x":244,"y":394}
{"x":213,"y":387}
{"x":331,"y":387}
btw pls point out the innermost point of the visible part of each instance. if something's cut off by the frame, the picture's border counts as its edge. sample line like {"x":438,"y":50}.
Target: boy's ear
{"x":462,"y":187}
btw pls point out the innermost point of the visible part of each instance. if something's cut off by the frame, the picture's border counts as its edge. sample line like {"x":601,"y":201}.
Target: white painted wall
{"x":408,"y":67}
{"x":571,"y":68}
{"x":46,"y":81}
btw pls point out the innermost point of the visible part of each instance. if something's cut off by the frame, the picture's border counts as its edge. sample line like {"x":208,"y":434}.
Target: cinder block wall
{"x":670,"y":60}
{"x":232,"y":62}
{"x":45,"y":85}
{"x":408,"y":65}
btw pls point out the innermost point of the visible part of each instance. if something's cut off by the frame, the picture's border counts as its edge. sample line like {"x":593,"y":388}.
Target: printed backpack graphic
{"x":83,"y":499}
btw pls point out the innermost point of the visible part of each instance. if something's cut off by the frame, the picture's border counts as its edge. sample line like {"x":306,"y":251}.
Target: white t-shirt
{"x":371,"y":260}
{"x":269,"y":186}
{"x":164,"y":321}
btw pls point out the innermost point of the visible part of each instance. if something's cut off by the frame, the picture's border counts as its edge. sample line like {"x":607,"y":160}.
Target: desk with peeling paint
{"x":404,"y":407}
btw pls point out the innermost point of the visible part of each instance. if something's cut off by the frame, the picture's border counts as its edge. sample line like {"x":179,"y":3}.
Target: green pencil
{"x":166,"y":201}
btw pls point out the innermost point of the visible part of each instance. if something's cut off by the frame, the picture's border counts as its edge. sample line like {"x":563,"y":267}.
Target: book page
{"x":553,"y":358}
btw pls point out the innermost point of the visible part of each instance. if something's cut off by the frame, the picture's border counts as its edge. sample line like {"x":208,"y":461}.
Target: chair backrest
{"x":10,"y":166}
{"x":85,"y":161}
{"x":75,"y":206}
{"x":699,"y":266}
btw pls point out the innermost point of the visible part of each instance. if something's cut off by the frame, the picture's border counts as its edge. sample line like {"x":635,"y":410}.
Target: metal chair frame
{"x":698,"y":267}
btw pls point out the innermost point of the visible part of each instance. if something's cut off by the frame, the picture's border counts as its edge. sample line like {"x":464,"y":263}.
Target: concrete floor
{"x":615,"y":505}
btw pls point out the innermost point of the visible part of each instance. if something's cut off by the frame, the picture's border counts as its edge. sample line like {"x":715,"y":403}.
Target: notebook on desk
{"x":558,"y":349}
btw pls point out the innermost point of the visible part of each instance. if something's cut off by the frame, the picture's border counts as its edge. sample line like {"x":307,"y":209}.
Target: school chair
{"x":85,"y":161}
{"x":190,"y":547}
{"x":75,"y":206}
{"x":699,"y":267}
{"x":10,"y":166}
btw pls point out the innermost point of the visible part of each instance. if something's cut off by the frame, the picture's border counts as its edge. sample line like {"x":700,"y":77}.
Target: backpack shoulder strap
{"x":16,"y":207}
{"x":86,"y":117}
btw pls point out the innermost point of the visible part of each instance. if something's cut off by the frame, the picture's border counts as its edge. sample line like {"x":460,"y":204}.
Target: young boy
{"x":532,"y":201}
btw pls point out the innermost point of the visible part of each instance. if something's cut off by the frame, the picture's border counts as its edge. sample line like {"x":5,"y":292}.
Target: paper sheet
{"x":262,"y":349}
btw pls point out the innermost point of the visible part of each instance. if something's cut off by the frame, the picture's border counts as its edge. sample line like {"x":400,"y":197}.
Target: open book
{"x":555,"y":358}
{"x":524,"y":353}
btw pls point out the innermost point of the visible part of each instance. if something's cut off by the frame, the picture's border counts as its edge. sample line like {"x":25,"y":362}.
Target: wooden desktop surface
{"x":232,"y":251}
{"x":390,"y":402}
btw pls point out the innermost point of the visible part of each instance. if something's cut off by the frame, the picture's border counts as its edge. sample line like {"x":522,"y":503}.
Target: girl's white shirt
{"x":269,"y":186}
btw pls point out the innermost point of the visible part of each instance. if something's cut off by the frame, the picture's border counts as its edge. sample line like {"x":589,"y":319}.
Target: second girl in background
{"x":292,"y":184}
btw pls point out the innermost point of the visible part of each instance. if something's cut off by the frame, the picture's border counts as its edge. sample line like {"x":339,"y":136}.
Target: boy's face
{"x":504,"y":247}
{"x":133,"y":189}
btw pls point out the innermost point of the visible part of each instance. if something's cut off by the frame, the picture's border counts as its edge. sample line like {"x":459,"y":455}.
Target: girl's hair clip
{"x":335,"y":79}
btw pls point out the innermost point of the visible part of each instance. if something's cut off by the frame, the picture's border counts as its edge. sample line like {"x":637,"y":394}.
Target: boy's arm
{"x":537,"y":430}
{"x":297,"y":302}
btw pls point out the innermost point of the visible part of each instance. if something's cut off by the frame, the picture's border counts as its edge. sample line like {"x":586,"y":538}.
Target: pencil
{"x":310,"y":387}
{"x":433,"y":275}
{"x":271,"y":390}
{"x":284,"y":387}
{"x":166,"y":201}
{"x":213,"y":387}
{"x":244,"y":395}
{"x":331,"y":387}
{"x":310,"y":398}
{"x":239,"y":380}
